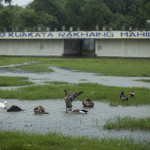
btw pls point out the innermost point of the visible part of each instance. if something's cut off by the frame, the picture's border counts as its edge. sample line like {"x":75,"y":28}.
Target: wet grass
{"x":93,"y":91}
{"x":37,"y":67}
{"x":130,"y":123}
{"x":13,"y":60}
{"x":22,"y":141}
{"x":14,"y":81}
{"x":144,"y":80}
{"x":57,"y":83}
{"x":103,"y":66}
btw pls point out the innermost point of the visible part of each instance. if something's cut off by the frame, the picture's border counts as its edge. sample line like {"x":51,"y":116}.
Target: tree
{"x":116,"y":6}
{"x":6,"y":18}
{"x":28,"y":19}
{"x":49,"y":7}
{"x":74,"y":12}
{"x":95,"y":13}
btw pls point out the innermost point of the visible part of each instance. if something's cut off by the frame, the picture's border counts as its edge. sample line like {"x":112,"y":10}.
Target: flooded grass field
{"x":90,"y":124}
{"x":74,"y":76}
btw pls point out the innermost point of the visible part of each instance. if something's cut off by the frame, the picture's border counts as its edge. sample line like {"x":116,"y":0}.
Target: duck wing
{"x":72,"y":96}
{"x":124,"y":98}
{"x":131,"y":94}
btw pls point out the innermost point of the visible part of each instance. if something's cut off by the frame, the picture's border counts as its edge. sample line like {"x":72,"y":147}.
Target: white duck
{"x":4,"y":104}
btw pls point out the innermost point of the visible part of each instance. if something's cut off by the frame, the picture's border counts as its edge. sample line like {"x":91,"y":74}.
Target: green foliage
{"x":96,"y":13}
{"x":28,"y":18}
{"x":24,"y":141}
{"x":6,"y":18}
{"x":74,"y":11}
{"x":85,"y":14}
{"x":48,"y":12}
{"x":130,"y":123}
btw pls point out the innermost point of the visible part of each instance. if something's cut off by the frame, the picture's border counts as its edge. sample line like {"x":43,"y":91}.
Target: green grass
{"x":14,"y":81}
{"x":130,"y":123}
{"x":103,"y":66}
{"x":144,"y":80}
{"x":22,"y":141}
{"x":13,"y":60}
{"x":94,"y":91}
{"x":57,"y":83}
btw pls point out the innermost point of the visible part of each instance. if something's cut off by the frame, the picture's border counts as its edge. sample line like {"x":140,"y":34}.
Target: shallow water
{"x":90,"y":124}
{"x":78,"y":77}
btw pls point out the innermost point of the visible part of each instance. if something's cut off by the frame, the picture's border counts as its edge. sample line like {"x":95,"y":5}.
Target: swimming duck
{"x":131,"y":94}
{"x":123,"y":97}
{"x":4,"y":104}
{"x":40,"y":110}
{"x":69,"y":98}
{"x":14,"y":108}
{"x":83,"y":111}
{"x":88,"y":103}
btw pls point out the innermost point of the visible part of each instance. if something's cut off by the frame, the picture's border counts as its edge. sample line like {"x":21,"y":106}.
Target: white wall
{"x":57,"y":47}
{"x":31,"y":47}
{"x":123,"y":48}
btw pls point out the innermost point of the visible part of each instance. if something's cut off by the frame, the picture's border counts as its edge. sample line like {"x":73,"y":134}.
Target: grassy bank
{"x":114,"y":67}
{"x":14,"y":81}
{"x":129,"y":123}
{"x":23,"y":141}
{"x":94,"y":91}
{"x":144,"y":80}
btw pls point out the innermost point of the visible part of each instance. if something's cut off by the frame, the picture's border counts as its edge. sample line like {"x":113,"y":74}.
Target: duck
{"x":4,"y":105}
{"x":40,"y":110}
{"x":131,"y":94}
{"x":88,"y":103}
{"x":83,"y":111}
{"x":123,"y":97}
{"x":14,"y":108}
{"x":69,"y":98}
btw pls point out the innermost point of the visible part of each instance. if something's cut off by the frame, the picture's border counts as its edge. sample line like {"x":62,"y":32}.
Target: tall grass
{"x":51,"y":141}
{"x":14,"y":81}
{"x":114,"y":67}
{"x":130,"y":123}
{"x":93,"y":91}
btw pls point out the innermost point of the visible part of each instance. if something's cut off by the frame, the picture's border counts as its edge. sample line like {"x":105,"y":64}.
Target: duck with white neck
{"x":4,"y":105}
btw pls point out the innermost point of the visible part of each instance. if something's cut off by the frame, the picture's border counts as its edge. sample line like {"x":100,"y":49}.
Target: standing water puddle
{"x":90,"y":124}
{"x":79,"y":77}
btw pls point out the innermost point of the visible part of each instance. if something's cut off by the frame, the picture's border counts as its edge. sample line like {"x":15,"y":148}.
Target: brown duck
{"x":40,"y":110}
{"x":88,"y":103}
{"x":69,"y":98}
